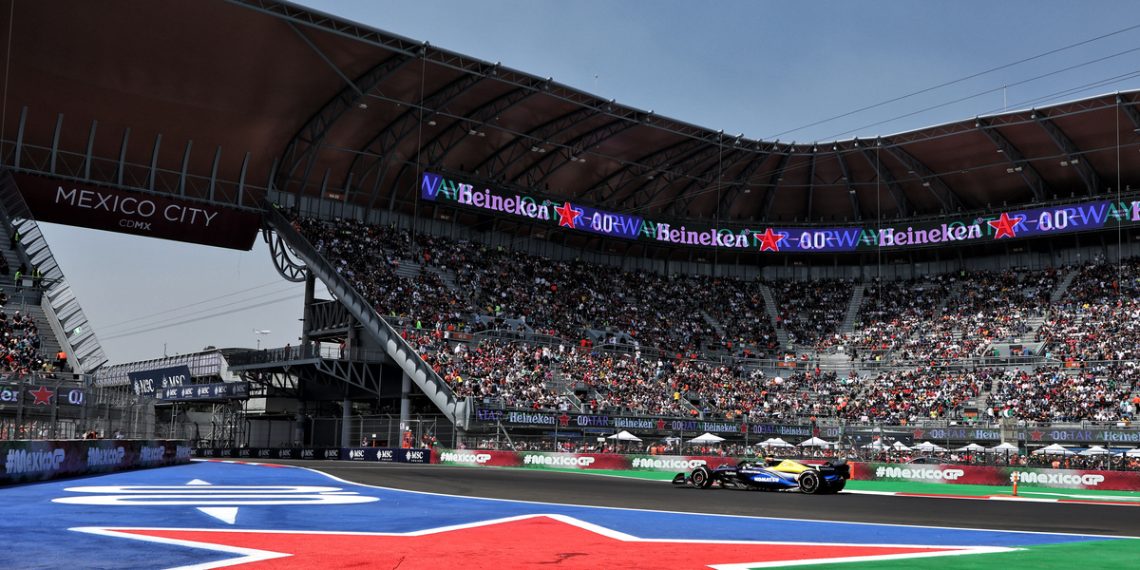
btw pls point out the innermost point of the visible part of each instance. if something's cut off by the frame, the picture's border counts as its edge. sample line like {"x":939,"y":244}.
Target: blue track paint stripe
{"x":36,"y":516}
{"x":667,"y":524}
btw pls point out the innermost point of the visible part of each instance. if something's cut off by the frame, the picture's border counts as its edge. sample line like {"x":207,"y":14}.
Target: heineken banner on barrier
{"x":854,"y":434}
{"x":962,"y":230}
{"x":989,"y":475}
{"x":41,"y":460}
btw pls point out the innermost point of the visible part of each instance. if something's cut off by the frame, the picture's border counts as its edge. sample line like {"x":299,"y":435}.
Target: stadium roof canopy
{"x":220,"y":100}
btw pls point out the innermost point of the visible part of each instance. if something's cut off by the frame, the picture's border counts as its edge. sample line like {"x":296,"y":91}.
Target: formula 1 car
{"x":771,"y":475}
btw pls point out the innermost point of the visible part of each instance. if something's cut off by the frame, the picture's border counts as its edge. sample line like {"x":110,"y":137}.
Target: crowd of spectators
{"x":1099,"y":316}
{"x":680,"y":333}
{"x":20,"y":343}
{"x":1053,"y":394}
{"x":811,"y":311}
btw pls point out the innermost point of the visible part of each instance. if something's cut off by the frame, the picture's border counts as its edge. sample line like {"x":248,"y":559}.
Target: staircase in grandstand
{"x":848,"y":325}
{"x":715,"y":324}
{"x":770,"y":308}
{"x":61,"y":321}
{"x":563,"y":384}
{"x":1063,"y":286}
{"x":447,"y":277}
{"x":393,"y":345}
{"x":409,"y":269}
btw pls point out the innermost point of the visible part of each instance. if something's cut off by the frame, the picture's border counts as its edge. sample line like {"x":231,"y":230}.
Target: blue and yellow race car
{"x":771,"y":475}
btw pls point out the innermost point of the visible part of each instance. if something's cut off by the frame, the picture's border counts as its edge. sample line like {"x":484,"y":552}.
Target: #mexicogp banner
{"x":552,"y":460}
{"x":40,"y":460}
{"x":948,"y":474}
{"x":990,"y":475}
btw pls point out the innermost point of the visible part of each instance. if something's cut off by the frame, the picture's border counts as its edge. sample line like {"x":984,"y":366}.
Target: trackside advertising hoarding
{"x":899,"y":472}
{"x":138,"y":213}
{"x":42,"y":460}
{"x":1001,"y":476}
{"x":552,"y":460}
{"x":370,"y":454}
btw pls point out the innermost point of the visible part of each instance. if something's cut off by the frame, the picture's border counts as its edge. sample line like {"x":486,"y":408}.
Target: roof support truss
{"x":710,"y":176}
{"x":945,"y":196}
{"x":740,"y":182}
{"x":506,"y":155}
{"x":450,"y":137}
{"x":676,"y":172}
{"x":811,"y":185}
{"x":883,"y":174}
{"x":1075,"y":157}
{"x":1130,"y":110}
{"x":541,"y":171}
{"x":381,"y":148}
{"x":630,"y":173}
{"x":857,"y":215}
{"x":774,"y":178}
{"x":302,"y":148}
{"x":1016,"y":159}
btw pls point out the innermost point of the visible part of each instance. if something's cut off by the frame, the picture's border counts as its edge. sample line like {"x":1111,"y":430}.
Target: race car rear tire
{"x":809,"y":482}
{"x":701,"y":477}
{"x":837,"y":487}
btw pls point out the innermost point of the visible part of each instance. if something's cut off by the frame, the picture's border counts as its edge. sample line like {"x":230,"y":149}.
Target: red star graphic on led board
{"x":567,"y":215}
{"x":769,"y":240}
{"x":1005,"y":226}
{"x":42,"y":396}
{"x":529,"y":541}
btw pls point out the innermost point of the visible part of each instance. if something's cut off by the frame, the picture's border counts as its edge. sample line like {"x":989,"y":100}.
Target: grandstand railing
{"x":301,"y":352}
{"x":455,"y":408}
{"x":69,"y":323}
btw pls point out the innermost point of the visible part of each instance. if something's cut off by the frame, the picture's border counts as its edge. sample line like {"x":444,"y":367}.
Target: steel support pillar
{"x":310,"y":288}
{"x":405,"y":402}
{"x":346,"y":423}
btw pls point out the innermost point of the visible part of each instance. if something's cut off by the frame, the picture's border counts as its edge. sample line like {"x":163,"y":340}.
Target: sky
{"x":793,"y":71}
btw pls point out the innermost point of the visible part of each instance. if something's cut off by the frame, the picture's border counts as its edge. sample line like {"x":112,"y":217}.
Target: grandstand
{"x":538,"y":263}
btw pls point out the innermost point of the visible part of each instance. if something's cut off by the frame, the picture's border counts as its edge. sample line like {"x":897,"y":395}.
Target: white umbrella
{"x":707,"y":438}
{"x":1131,"y":453}
{"x":900,"y":446}
{"x":775,"y":442}
{"x":971,"y":447}
{"x":814,"y":442}
{"x":877,"y":444}
{"x":624,"y":436}
{"x":928,"y":447}
{"x":1054,"y":449}
{"x":1004,"y":448}
{"x":1095,"y":450}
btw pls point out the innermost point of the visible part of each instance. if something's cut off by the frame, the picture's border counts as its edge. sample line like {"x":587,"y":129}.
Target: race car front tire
{"x":701,"y":477}
{"x":809,"y":482}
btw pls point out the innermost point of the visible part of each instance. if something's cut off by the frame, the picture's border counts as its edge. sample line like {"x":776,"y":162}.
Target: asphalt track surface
{"x":594,"y":490}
